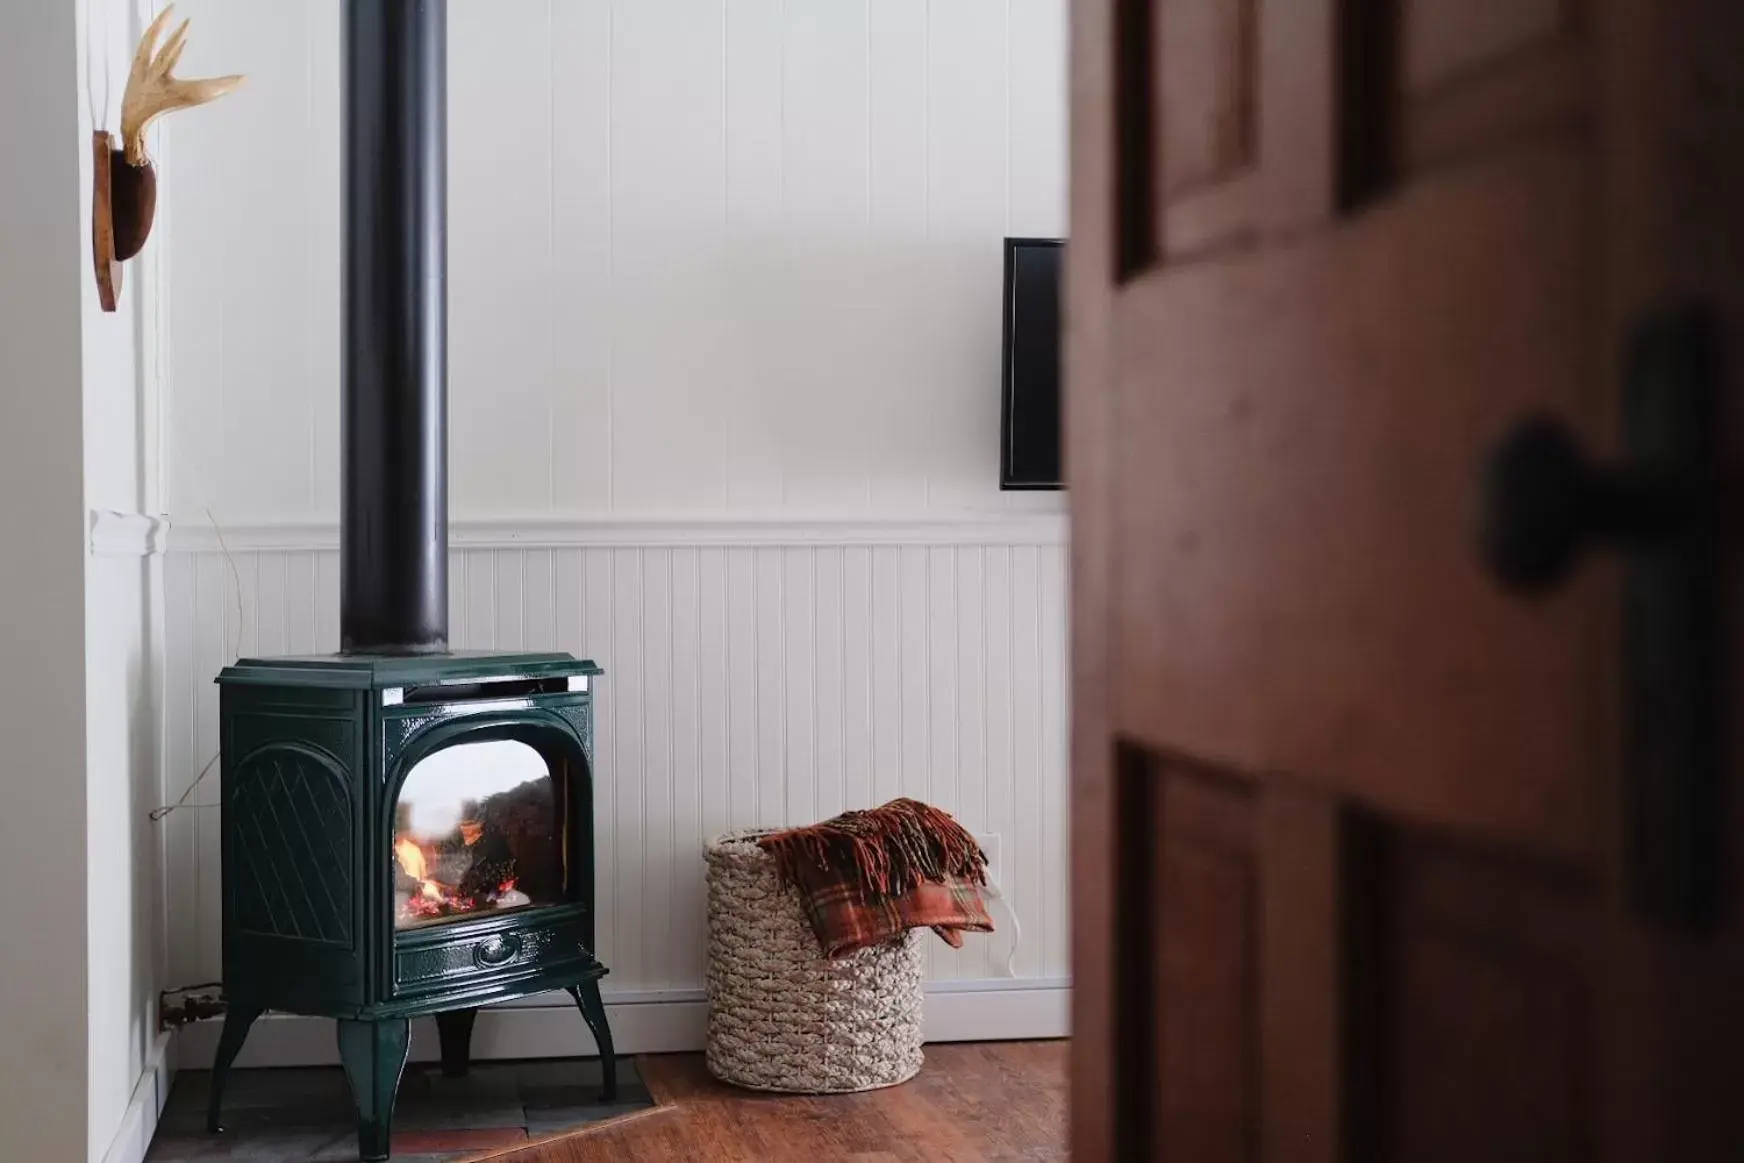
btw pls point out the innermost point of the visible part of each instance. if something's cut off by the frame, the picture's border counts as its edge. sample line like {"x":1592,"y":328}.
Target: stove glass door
{"x":478,"y":830}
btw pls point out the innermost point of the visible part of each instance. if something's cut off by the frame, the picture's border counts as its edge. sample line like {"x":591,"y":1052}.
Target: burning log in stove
{"x":503,"y":854}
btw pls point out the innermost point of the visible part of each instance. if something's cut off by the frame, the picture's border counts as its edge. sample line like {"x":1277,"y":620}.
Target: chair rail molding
{"x":114,"y":533}
{"x":1015,"y":527}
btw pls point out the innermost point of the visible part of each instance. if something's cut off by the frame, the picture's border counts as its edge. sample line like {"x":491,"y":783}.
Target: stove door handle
{"x":498,"y":950}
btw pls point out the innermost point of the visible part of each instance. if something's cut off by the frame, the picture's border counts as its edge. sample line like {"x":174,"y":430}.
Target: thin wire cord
{"x":182,"y":800}
{"x":992,"y":891}
{"x":160,"y":812}
{"x":235,"y":574}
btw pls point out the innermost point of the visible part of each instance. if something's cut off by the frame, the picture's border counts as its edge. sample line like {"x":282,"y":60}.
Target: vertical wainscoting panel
{"x":181,"y":767}
{"x":682,"y":832}
{"x":747,"y":685}
{"x":827,"y":695}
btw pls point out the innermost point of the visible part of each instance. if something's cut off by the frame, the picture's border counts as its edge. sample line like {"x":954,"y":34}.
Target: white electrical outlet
{"x":989,"y":842}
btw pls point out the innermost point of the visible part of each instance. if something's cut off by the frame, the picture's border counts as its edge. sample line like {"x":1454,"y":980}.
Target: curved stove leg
{"x":593,"y":1011}
{"x":237,"y":1020}
{"x":374,"y":1054}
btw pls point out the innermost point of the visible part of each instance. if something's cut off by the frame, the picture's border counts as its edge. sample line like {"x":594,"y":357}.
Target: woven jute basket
{"x":781,"y":1015}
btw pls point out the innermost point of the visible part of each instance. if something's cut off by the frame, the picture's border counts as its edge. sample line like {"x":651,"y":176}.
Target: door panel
{"x":1209,"y":175}
{"x":1448,"y":40}
{"x":1193,"y":897}
{"x":1206,"y":905}
{"x":1205,"y":58}
{"x":1477,"y":76}
{"x":1235,"y":139}
{"x":1312,"y":982}
{"x":1348,"y":828}
{"x":1484,"y":966}
{"x":1326,"y":618}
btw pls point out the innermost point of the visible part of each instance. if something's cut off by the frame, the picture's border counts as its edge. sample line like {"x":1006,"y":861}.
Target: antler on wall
{"x":152,"y":90}
{"x":124,"y":194}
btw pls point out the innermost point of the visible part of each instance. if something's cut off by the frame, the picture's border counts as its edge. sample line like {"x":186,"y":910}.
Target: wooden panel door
{"x":1349,"y":820}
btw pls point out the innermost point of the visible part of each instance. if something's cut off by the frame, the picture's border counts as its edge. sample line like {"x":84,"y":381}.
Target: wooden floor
{"x":978,"y":1101}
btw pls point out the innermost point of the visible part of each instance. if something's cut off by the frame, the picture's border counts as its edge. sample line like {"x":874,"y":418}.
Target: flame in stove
{"x":411,"y":858}
{"x":432,"y":898}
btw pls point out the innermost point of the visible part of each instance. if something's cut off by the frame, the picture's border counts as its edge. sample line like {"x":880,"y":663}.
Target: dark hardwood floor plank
{"x":972,"y":1103}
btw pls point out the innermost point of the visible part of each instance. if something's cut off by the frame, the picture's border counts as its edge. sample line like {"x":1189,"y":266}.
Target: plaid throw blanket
{"x":866,"y":877}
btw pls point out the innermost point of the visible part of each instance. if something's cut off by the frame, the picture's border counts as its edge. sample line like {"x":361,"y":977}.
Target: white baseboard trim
{"x":642,"y":1023}
{"x":139,"y":1122}
{"x":998,"y":1011}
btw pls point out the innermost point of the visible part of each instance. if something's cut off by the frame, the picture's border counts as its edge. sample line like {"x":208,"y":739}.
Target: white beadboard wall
{"x":731,"y":261}
{"x":746,"y":685}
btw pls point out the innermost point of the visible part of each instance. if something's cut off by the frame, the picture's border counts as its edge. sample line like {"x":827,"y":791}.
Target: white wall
{"x":707,"y":256}
{"x":82,"y":633}
{"x":724,"y":410}
{"x":124,"y":866}
{"x":43,"y":1051}
{"x":123,"y":644}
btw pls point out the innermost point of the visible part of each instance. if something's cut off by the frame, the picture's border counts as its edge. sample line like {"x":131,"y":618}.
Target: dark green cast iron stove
{"x":406,"y":830}
{"x":330,"y":765}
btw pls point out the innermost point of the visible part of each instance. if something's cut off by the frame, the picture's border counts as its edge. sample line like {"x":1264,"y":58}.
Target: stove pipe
{"x":393,"y":532}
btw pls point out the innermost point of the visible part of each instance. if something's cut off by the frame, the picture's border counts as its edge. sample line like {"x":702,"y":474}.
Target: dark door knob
{"x":1543,"y":501}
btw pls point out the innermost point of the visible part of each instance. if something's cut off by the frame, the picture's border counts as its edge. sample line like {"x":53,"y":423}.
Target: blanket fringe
{"x":891,"y":848}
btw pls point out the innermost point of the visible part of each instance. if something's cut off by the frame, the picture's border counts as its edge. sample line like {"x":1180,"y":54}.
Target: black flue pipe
{"x":393,"y":559}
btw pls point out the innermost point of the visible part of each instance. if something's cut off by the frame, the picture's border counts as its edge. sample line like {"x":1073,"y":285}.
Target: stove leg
{"x":374,"y":1054}
{"x":454,"y":1029}
{"x":237,"y":1019}
{"x":593,"y":1011}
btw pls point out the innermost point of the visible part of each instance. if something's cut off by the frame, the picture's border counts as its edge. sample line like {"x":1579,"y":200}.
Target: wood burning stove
{"x":406,"y":831}
{"x":405,"y":835}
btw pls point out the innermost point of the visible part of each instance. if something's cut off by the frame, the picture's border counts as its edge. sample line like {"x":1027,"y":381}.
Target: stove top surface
{"x":373,"y":671}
